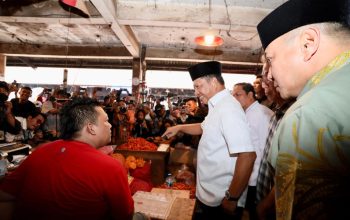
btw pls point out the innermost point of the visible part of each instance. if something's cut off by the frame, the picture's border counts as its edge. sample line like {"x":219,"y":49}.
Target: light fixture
{"x":209,"y":38}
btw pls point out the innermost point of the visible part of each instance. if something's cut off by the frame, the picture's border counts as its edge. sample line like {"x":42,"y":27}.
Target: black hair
{"x":167,"y":120}
{"x":74,"y":114}
{"x":27,"y":88}
{"x":4,"y":85}
{"x":37,"y":112}
{"x":140,"y":110}
{"x":247,"y":87}
{"x":106,"y":98}
{"x":191,"y":99}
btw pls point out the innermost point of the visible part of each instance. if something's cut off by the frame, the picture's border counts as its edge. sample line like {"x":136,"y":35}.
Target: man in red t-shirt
{"x":70,"y":178}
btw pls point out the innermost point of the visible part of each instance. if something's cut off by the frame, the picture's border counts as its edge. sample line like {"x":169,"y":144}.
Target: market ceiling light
{"x":209,"y":38}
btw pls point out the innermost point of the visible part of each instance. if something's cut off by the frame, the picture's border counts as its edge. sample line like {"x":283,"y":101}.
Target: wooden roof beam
{"x":125,"y":34}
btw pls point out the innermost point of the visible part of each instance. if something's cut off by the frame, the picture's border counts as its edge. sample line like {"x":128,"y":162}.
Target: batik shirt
{"x":311,"y":148}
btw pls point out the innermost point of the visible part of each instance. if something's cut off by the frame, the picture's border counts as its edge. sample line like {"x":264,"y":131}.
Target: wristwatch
{"x":229,"y":197}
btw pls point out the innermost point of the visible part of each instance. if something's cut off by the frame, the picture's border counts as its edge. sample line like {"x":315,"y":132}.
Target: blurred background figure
{"x":22,"y":106}
{"x":8,"y":122}
{"x":142,"y":127}
{"x":258,"y":117}
{"x":259,"y":92}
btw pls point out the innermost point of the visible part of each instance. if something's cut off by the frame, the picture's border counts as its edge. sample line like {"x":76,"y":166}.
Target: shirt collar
{"x":217,"y":97}
{"x":337,"y":63}
{"x":251,"y":106}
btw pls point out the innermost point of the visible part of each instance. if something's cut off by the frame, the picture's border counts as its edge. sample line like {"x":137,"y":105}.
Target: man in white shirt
{"x":29,"y":125}
{"x":258,"y":117}
{"x":225,"y":153}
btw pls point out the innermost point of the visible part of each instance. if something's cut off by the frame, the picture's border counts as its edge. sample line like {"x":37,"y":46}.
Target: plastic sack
{"x":185,"y":176}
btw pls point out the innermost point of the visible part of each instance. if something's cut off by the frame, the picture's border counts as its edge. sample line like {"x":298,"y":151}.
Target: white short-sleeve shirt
{"x":258,"y":117}
{"x":225,"y":133}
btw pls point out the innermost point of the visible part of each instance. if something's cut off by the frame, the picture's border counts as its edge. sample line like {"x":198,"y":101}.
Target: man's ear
{"x":90,"y":128}
{"x":251,"y":95}
{"x":213,"y":82}
{"x":29,"y":118}
{"x":309,"y":42}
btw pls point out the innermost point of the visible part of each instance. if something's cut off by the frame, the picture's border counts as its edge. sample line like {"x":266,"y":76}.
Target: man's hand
{"x":266,"y":206}
{"x":170,"y":132}
{"x":229,"y":207}
{"x":144,"y":124}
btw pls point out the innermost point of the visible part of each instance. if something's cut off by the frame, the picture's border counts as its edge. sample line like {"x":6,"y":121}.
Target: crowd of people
{"x":278,"y":148}
{"x":128,"y":119}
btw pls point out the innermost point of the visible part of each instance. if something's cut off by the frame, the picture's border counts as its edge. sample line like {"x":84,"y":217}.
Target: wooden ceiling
{"x":117,"y":32}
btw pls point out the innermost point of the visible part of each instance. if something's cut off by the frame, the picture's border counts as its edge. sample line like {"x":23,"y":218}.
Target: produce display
{"x":140,"y":169}
{"x":138,"y":144}
{"x":132,"y":162}
{"x":139,"y":172}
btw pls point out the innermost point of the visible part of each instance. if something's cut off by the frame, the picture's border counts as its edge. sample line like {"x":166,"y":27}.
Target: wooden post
{"x":2,"y":66}
{"x":136,"y":74}
{"x":65,"y":77}
{"x":139,"y":75}
{"x":143,"y":65}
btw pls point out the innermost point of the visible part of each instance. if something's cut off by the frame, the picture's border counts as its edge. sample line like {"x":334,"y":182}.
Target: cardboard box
{"x":164,"y":204}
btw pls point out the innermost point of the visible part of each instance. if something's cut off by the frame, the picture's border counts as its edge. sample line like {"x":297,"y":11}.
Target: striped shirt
{"x":266,"y":172}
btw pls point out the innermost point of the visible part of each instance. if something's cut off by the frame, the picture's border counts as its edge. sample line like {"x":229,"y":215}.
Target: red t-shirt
{"x":70,"y":180}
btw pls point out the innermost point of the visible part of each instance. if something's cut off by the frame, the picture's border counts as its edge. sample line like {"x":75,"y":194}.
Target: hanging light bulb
{"x":209,"y":38}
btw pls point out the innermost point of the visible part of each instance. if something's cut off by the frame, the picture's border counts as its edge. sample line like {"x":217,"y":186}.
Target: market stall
{"x":161,"y":178}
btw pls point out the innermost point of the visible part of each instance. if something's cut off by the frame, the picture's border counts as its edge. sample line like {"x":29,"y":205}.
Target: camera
{"x":122,"y":110}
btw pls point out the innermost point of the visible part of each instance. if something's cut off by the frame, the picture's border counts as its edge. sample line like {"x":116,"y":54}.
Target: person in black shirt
{"x":22,"y":106}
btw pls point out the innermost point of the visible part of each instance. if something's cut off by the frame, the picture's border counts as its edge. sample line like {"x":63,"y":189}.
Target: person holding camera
{"x":8,"y":122}
{"x":121,"y":123}
{"x":142,"y":127}
{"x":160,"y":115}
